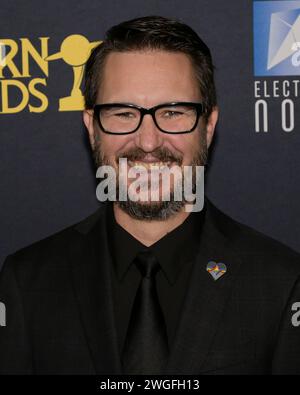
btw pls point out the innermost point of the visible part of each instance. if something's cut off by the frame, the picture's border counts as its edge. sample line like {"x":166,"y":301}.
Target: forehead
{"x":148,"y":78}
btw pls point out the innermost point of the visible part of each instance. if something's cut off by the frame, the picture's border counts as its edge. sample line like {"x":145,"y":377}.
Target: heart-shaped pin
{"x":216,"y":269}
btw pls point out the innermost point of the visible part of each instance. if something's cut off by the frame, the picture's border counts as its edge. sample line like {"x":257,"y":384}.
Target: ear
{"x":89,"y":124}
{"x":211,"y":125}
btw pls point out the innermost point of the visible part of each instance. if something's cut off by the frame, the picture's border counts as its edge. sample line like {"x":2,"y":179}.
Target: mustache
{"x":161,"y":154}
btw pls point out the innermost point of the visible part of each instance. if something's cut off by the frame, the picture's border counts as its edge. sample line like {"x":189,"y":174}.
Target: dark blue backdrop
{"x":47,"y":178}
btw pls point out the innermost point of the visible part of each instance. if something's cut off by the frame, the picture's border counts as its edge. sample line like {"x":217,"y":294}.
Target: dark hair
{"x":152,"y":32}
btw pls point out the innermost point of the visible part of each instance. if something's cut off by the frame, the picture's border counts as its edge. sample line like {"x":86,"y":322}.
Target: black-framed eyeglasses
{"x":124,"y":118}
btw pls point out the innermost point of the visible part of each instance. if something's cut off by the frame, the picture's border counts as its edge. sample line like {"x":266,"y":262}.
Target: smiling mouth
{"x":149,"y":164}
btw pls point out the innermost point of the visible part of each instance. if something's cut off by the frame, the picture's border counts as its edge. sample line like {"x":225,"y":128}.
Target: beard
{"x":154,"y":210}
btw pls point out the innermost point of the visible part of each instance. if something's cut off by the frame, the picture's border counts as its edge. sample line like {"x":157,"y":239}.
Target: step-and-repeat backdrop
{"x":47,"y":176}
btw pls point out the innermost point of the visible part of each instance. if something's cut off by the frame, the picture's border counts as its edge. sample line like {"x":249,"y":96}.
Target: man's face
{"x":149,"y":78}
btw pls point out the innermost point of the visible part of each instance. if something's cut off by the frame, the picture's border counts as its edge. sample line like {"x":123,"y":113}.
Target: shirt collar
{"x":173,"y":250}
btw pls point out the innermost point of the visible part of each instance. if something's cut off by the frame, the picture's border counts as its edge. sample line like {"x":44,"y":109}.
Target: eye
{"x":125,"y":114}
{"x":171,"y":114}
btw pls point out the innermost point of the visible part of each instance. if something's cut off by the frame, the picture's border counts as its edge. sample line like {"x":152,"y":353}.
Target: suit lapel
{"x":205,"y":300}
{"x":204,"y":303}
{"x":90,"y":265}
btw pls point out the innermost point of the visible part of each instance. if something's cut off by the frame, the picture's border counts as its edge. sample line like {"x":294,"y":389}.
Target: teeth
{"x":149,"y":165}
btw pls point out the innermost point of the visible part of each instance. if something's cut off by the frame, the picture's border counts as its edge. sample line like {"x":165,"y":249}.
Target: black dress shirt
{"x":175,"y":253}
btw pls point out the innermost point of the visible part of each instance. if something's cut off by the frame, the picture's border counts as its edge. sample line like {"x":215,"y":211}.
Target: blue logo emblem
{"x":276,"y":38}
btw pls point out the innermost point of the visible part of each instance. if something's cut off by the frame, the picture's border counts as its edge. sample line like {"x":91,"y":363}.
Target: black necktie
{"x":145,"y":349}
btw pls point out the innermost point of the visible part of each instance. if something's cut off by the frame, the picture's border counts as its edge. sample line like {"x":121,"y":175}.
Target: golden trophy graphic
{"x":75,"y":51}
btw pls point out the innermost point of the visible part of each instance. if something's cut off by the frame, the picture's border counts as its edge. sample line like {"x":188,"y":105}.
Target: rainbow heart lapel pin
{"x":216,"y":270}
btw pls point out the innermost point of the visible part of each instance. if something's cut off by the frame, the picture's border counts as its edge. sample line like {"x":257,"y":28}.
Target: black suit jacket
{"x":60,"y":313}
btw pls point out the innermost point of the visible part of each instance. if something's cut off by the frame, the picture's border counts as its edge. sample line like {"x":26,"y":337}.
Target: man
{"x":147,"y":287}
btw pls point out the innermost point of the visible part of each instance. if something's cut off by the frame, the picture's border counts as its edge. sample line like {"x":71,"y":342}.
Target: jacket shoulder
{"x":247,"y":241}
{"x":52,"y":250}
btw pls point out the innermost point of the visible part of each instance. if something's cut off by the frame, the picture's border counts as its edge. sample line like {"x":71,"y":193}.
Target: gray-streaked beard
{"x":160,"y":210}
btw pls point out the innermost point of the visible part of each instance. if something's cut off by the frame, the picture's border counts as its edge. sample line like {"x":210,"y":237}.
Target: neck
{"x":148,"y":232}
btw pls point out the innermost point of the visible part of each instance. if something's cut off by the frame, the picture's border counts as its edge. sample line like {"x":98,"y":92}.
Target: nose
{"x":148,"y":137}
